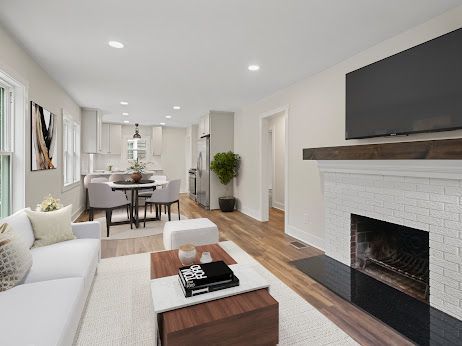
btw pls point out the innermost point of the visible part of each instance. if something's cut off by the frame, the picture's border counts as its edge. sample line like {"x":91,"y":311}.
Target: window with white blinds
{"x":71,"y":151}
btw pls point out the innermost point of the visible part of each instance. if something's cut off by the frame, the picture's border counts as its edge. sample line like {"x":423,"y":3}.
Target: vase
{"x":136,"y":177}
{"x":187,"y":254}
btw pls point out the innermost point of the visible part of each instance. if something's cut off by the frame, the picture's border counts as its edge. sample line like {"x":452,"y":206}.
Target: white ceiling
{"x":195,"y":53}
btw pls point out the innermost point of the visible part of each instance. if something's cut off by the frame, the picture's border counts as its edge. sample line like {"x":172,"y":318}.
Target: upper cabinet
{"x":92,"y":130}
{"x":156,"y":141}
{"x":115,"y":139}
{"x":204,"y":126}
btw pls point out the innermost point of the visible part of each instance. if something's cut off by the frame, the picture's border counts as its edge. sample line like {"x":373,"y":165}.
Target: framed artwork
{"x":44,"y":137}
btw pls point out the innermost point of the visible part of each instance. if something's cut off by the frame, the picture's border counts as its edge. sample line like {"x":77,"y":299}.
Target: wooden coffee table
{"x":243,"y":319}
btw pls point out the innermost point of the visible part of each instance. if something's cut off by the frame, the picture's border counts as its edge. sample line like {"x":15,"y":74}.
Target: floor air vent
{"x":298,"y":244}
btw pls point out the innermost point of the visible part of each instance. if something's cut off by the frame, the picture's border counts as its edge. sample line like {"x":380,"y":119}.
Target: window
{"x":136,"y":149}
{"x":6,"y":107}
{"x":71,"y":151}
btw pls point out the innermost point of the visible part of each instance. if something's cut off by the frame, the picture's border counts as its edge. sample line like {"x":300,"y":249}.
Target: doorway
{"x":274,"y":165}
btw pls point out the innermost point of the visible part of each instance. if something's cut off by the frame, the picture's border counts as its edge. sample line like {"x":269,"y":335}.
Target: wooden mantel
{"x":446,"y":149}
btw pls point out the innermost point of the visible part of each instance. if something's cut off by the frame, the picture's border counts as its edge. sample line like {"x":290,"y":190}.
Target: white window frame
{"x":71,"y":152}
{"x":6,"y":144}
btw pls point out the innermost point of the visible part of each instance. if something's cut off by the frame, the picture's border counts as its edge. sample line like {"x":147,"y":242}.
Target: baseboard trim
{"x":76,"y":214}
{"x":278,"y":205}
{"x":305,"y":237}
{"x":249,"y":212}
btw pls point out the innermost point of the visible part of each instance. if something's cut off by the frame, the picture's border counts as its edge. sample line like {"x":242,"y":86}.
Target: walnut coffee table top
{"x":167,"y":263}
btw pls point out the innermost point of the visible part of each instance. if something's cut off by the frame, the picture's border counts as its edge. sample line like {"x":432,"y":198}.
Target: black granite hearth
{"x":412,"y":318}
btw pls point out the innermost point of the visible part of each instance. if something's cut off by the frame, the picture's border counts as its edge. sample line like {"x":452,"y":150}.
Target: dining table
{"x":134,"y":189}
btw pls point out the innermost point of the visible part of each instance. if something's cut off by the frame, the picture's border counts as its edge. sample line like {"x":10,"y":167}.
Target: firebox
{"x":394,"y":254}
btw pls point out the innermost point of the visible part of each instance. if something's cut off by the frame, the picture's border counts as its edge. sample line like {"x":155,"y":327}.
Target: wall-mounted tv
{"x":417,"y":90}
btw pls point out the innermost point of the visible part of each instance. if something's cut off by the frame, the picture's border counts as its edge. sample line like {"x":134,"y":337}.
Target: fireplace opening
{"x":394,"y":254}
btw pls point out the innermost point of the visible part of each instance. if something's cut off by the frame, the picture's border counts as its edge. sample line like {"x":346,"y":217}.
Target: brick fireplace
{"x":420,"y":199}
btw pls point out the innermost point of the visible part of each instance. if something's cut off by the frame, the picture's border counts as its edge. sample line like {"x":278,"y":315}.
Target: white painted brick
{"x":430,"y":220}
{"x":444,"y":198}
{"x":453,"y":208}
{"x":417,"y":180}
{"x":417,"y":210}
{"x":417,"y":225}
{"x":452,"y":258}
{"x":404,"y":186}
{"x":435,"y":237}
{"x":384,"y":198}
{"x":437,"y":253}
{"x":366,"y":195}
{"x":410,"y":201}
{"x":435,"y":269}
{"x":456,"y":293}
{"x":431,"y":188}
{"x":444,"y":231}
{"x":453,"y":191}
{"x":394,"y":206}
{"x":444,"y":215}
{"x":431,"y":205}
{"x":383,"y":211}
{"x":453,"y":225}
{"x":445,"y":264}
{"x":394,"y":178}
{"x":417,"y":195}
{"x":446,"y":248}
{"x":449,"y":298}
{"x":445,"y":280}
{"x":444,"y":182}
{"x":404,"y":215}
{"x":457,"y":242}
{"x":453,"y":275}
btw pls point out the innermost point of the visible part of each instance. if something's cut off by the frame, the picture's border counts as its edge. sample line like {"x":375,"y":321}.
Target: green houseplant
{"x":136,"y":167}
{"x":226,"y":167}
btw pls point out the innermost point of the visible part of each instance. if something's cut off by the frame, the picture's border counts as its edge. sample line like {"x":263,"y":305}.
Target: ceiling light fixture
{"x":137,"y":133}
{"x":162,"y":124}
{"x":124,"y":103}
{"x":253,"y":67}
{"x":168,"y":116}
{"x":126,"y":122}
{"x":176,"y":108}
{"x":124,"y":113}
{"x":115,"y":44}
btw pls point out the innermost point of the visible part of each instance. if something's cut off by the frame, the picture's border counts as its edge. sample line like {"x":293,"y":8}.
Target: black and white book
{"x":207,"y":277}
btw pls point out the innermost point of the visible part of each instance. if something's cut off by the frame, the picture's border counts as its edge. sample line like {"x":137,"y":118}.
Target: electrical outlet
{"x":306,"y":218}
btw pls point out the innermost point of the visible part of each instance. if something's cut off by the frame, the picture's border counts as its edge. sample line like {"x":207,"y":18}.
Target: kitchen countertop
{"x":102,"y":173}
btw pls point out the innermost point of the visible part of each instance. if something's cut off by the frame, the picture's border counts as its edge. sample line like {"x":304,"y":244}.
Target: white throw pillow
{"x":52,"y":226}
{"x":15,"y":258}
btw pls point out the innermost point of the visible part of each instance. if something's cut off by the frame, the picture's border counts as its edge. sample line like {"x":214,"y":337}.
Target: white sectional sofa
{"x":46,"y":308}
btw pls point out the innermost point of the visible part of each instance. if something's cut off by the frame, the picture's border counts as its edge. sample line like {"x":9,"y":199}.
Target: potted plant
{"x":226,"y":167}
{"x":137,"y":167}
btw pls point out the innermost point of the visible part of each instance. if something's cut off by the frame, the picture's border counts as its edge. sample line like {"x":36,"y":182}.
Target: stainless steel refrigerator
{"x":203,"y":172}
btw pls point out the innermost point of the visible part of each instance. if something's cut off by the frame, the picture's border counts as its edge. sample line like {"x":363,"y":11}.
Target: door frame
{"x":263,"y":162}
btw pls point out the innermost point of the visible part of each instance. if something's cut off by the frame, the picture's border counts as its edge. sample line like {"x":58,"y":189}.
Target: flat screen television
{"x":417,"y":90}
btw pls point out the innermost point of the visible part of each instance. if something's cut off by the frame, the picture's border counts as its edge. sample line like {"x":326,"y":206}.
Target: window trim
{"x":72,"y":127}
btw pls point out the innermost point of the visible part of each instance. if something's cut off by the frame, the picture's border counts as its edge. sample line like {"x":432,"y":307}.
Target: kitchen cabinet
{"x":92,"y":130}
{"x":204,"y":126}
{"x":115,"y":139}
{"x":156,"y":141}
{"x":105,"y":128}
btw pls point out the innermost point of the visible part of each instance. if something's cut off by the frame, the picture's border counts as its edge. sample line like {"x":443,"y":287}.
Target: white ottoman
{"x":192,"y":231}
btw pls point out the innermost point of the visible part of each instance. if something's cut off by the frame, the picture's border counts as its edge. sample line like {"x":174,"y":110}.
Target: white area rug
{"x":124,"y":231}
{"x":119,"y":310}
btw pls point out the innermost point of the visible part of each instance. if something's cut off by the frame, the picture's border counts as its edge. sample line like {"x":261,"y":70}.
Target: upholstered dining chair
{"x":101,"y":196}
{"x":87,"y":180}
{"x":157,"y":178}
{"x":166,"y":196}
{"x":117,"y":177}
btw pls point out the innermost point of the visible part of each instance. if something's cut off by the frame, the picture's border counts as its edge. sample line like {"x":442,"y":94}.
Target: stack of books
{"x":207,"y":277}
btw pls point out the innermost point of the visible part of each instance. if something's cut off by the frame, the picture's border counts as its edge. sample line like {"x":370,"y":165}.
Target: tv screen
{"x":417,"y":90}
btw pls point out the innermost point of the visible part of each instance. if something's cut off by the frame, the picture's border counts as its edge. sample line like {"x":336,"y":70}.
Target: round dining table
{"x":135,"y":188}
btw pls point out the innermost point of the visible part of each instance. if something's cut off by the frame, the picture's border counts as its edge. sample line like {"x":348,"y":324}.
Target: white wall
{"x":317,"y":119}
{"x":42,"y":89}
{"x":277,"y":127}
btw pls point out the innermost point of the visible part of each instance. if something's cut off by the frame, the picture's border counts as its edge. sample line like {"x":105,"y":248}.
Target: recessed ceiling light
{"x":176,"y":107}
{"x":168,"y":116}
{"x":126,"y":122}
{"x":124,"y":113}
{"x":162,"y":124}
{"x":123,"y":103}
{"x":115,"y":44}
{"x":253,"y":67}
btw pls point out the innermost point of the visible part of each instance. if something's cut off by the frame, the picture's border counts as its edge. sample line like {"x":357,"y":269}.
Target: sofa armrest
{"x":90,"y":229}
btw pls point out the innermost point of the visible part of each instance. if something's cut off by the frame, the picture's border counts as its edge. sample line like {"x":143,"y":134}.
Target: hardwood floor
{"x":267,"y":243}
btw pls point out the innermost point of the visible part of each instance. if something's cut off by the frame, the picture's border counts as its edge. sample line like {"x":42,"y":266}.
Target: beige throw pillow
{"x":15,"y":258}
{"x":51,"y":227}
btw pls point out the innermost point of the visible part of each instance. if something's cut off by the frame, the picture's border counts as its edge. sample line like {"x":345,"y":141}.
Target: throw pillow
{"x":52,"y":226}
{"x":15,"y":258}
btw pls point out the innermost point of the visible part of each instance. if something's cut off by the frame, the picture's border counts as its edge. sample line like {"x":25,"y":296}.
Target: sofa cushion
{"x":15,"y":258}
{"x":51,"y":227}
{"x":72,"y":258}
{"x":42,"y":313}
{"x":21,"y":225}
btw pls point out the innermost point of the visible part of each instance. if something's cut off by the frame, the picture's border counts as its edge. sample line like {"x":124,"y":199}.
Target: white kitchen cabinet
{"x":92,"y":128}
{"x":204,"y":126}
{"x":115,"y":139}
{"x":156,"y":141}
{"x":105,"y":129}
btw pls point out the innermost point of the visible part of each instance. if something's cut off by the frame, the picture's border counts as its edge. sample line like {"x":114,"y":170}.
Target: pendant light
{"x":137,"y":133}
